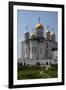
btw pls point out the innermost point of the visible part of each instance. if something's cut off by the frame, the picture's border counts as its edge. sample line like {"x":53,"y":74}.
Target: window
{"x":47,"y":52}
{"x":37,"y":63}
{"x":32,"y":49}
{"x":40,"y":50}
{"x":46,"y":63}
{"x":35,"y":49}
{"x":56,"y":56}
{"x":55,"y":60}
{"x":20,"y":64}
{"x":26,"y":50}
{"x":47,"y":45}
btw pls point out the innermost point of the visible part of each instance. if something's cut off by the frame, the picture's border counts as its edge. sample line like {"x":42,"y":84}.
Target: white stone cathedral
{"x":39,"y":47}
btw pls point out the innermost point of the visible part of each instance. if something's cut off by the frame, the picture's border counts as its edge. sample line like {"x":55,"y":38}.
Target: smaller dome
{"x":52,"y":33}
{"x":32,"y":35}
{"x":26,"y":32}
{"x":39,"y":26}
{"x":47,"y":31}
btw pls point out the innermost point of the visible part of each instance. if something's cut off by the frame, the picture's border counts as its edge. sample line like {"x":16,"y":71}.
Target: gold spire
{"x":39,"y":26}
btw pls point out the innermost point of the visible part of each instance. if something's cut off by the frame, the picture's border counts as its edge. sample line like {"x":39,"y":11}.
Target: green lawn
{"x":36,"y":72}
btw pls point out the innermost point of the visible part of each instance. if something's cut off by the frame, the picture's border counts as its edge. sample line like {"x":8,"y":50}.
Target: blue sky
{"x":30,"y":18}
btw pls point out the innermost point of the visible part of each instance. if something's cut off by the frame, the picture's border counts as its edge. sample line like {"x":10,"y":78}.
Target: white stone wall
{"x":48,"y":52}
{"x":42,"y":50}
{"x":53,"y":37}
{"x":27,"y":50}
{"x":39,"y":54}
{"x":22,"y":50}
{"x":55,"y":56}
{"x":48,"y":49}
{"x":33,"y":45}
{"x":53,"y":45}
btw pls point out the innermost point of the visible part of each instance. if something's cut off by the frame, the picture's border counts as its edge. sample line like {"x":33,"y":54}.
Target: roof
{"x":54,"y":49}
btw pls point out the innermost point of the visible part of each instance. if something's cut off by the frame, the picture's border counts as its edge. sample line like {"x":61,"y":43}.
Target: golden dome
{"x":39,"y":26}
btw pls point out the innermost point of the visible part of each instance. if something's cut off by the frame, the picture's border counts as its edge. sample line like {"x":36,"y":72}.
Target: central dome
{"x":39,"y":26}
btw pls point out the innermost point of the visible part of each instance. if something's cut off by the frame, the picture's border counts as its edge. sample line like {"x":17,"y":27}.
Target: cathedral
{"x":39,"y":47}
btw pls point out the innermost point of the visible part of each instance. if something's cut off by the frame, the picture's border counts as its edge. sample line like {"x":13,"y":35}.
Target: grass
{"x":36,"y":72}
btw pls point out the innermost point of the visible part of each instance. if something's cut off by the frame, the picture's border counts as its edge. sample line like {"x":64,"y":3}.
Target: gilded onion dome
{"x":39,"y":26}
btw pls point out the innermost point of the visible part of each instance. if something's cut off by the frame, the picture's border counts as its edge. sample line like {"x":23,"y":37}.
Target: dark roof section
{"x":54,"y":49}
{"x":37,"y":38}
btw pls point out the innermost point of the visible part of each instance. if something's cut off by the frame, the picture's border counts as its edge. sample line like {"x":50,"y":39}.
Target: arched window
{"x":40,"y":50}
{"x":37,"y":63}
{"x":32,"y":49}
{"x":46,"y":63}
{"x":35,"y":49}
{"x":47,"y":45}
{"x":47,"y":52}
{"x":26,"y":50}
{"x":50,"y":62}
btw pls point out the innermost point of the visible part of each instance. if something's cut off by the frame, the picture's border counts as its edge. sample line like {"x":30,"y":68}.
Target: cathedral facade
{"x":39,"y":46}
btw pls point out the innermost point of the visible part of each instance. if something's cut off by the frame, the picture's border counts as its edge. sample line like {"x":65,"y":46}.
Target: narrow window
{"x":26,"y":50}
{"x":46,"y":63}
{"x":40,"y":50}
{"x":35,"y":49}
{"x":47,"y":45}
{"x":32,"y":49}
{"x":47,"y":52}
